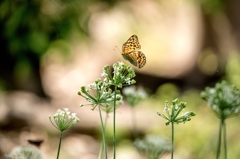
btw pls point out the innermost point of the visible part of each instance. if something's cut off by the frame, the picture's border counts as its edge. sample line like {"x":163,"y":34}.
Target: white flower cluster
{"x":63,"y":119}
{"x":102,"y":92}
{"x":136,"y":92}
{"x":224,"y":99}
{"x":172,"y":116}
{"x":98,"y":93}
{"x":133,"y":95}
{"x":122,"y":75}
{"x":23,"y":152}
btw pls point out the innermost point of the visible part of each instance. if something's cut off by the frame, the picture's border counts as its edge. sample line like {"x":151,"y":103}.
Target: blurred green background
{"x":50,"y":48}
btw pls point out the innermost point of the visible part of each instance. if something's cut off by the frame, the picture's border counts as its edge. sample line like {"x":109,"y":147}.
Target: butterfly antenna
{"x":117,"y":48}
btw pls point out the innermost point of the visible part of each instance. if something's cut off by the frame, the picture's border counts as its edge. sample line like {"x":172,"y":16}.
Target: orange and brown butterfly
{"x":130,"y":52}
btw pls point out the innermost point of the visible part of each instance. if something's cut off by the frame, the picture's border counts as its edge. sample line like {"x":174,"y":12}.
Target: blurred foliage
{"x":30,"y":28}
{"x":122,"y":133}
{"x":208,"y":62}
{"x":33,"y":25}
{"x":212,"y":6}
{"x":232,"y":69}
{"x":166,"y":92}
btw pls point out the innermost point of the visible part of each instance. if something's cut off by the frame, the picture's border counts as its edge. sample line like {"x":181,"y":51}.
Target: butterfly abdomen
{"x":126,"y":57}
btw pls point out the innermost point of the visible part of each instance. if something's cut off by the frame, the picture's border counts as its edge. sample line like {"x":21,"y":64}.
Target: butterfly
{"x":131,"y":53}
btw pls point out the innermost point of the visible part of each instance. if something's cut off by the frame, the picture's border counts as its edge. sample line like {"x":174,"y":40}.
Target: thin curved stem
{"x":103,"y":133}
{"x":219,"y":140}
{"x":225,"y":139}
{"x":100,"y":151}
{"x":59,"y":145}
{"x":114,"y":124}
{"x":172,"y":140}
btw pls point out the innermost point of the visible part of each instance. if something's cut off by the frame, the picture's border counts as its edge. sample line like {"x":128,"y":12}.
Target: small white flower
{"x":66,"y":109}
{"x":175,"y":107}
{"x":128,"y":80}
{"x":129,"y":90}
{"x":212,"y":91}
{"x":166,"y":109}
{"x":185,"y":114}
{"x":120,"y":63}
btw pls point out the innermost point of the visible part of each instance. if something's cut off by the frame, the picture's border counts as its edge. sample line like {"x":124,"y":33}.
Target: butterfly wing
{"x":132,"y":44}
{"x":137,"y":58}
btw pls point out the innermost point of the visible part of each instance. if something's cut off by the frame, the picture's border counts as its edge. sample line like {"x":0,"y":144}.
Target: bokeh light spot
{"x":208,"y":62}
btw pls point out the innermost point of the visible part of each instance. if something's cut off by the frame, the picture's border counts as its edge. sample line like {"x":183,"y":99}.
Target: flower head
{"x":173,"y":113}
{"x":99,"y":93}
{"x":224,"y":99}
{"x":24,"y":152}
{"x":134,"y":95}
{"x":153,"y":146}
{"x":122,"y":75}
{"x":63,"y":119}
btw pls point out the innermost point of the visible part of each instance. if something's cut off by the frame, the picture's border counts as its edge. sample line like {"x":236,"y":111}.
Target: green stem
{"x":134,"y":124}
{"x":172,"y":139}
{"x":100,"y":151}
{"x":225,"y":139}
{"x":59,"y":145}
{"x":103,"y":133}
{"x":101,"y":148}
{"x":219,"y":140}
{"x":114,"y":124}
{"x":105,"y":122}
